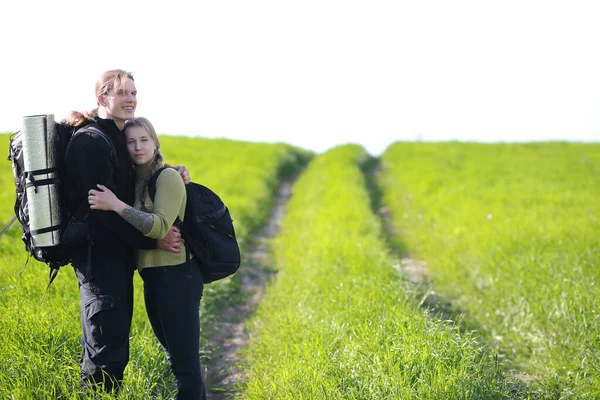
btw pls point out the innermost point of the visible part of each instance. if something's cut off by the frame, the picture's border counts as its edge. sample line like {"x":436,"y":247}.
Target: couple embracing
{"x":107,"y":183}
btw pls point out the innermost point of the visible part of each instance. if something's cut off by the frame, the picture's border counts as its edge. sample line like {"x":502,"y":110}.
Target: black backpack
{"x":207,"y":230}
{"x":57,"y":137}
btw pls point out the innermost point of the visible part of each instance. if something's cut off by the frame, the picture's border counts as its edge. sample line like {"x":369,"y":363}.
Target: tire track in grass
{"x":411,"y":269}
{"x":417,"y":273}
{"x":222,"y":374}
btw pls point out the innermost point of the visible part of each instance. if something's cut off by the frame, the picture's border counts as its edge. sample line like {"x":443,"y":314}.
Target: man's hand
{"x":183,"y":172}
{"x":171,"y":242}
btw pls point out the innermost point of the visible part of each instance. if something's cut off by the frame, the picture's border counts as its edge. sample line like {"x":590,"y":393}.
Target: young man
{"x":105,"y":262}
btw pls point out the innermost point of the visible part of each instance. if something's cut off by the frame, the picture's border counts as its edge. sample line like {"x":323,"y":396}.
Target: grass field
{"x":40,"y":351}
{"x":339,"y":322}
{"x":510,"y":233}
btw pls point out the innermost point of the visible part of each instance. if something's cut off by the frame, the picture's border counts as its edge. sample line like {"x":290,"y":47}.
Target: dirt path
{"x":222,"y":375}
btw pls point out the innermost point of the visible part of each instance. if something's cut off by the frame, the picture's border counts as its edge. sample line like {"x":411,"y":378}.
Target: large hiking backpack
{"x":37,"y":153}
{"x":207,"y":230}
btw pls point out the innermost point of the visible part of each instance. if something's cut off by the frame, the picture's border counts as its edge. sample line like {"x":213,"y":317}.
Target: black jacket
{"x":90,"y":162}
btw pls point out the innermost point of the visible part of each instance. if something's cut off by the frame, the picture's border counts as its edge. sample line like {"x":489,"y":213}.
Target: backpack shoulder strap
{"x":152,"y":190}
{"x":94,"y":129}
{"x":152,"y":183}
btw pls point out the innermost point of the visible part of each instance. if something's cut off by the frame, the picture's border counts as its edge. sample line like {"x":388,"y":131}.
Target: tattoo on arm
{"x":138,"y":219}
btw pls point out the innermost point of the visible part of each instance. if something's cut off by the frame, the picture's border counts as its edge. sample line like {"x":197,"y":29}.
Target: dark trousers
{"x":172,"y":295}
{"x":106,"y":306}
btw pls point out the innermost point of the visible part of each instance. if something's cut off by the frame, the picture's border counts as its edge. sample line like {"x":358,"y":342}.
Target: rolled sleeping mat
{"x":42,"y":187}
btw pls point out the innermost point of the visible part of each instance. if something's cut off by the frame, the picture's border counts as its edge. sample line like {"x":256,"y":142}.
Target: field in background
{"x":40,"y":351}
{"x":511,"y":235}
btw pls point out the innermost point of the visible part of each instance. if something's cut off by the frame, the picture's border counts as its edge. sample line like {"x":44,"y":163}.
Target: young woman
{"x":172,"y":287}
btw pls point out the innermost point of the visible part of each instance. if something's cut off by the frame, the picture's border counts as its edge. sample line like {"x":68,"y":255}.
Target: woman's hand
{"x":103,"y":199}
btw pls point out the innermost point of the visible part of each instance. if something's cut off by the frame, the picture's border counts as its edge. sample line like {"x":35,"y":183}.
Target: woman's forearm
{"x":140,"y":220}
{"x":105,"y":199}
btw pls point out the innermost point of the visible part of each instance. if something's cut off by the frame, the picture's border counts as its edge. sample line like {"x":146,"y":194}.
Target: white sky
{"x":316,"y":73}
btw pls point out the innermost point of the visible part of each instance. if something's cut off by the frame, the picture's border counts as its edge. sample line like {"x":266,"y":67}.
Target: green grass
{"x":509,"y":232}
{"x":339,"y":322}
{"x":40,"y":339}
{"x":511,"y":236}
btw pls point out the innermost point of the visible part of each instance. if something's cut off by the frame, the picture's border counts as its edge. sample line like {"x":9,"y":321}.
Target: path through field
{"x":222,"y":375}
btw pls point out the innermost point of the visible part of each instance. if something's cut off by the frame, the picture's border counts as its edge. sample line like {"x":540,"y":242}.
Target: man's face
{"x":120,"y":103}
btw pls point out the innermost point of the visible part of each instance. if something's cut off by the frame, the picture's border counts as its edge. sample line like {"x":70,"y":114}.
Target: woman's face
{"x":140,"y":145}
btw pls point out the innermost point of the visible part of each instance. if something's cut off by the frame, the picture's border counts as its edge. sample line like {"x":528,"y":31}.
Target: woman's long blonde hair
{"x":109,"y":80}
{"x":156,"y":163}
